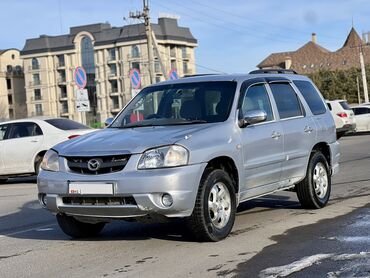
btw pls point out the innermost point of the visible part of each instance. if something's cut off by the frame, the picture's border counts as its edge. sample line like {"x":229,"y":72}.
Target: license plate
{"x":90,"y":188}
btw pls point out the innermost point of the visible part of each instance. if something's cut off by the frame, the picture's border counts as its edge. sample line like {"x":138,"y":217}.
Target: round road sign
{"x":80,"y":78}
{"x":173,"y":74}
{"x":135,"y":78}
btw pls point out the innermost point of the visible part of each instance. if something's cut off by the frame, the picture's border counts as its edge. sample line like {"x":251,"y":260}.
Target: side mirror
{"x":253,"y":117}
{"x":108,"y":121}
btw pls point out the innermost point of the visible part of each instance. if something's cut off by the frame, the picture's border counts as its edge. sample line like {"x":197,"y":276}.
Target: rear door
{"x":299,"y":131}
{"x":23,"y":143}
{"x":362,"y":116}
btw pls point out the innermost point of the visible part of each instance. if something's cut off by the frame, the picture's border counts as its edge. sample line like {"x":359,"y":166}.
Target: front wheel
{"x":314,"y":191}
{"x":215,"y":207}
{"x":77,"y":229}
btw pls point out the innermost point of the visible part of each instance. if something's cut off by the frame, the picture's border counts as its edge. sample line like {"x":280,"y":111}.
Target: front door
{"x":4,"y":131}
{"x":262,"y":143}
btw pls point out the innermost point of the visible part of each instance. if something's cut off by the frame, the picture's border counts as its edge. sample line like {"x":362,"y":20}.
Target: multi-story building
{"x":312,"y":57}
{"x":12,"y":93}
{"x":107,"y":54}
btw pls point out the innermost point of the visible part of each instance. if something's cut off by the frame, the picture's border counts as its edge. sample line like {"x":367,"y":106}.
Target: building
{"x":107,"y":54}
{"x":12,"y":93}
{"x":312,"y":57}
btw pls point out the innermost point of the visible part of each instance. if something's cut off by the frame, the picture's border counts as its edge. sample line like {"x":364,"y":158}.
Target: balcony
{"x":34,"y":83}
{"x":136,"y":57}
{"x":37,"y":113}
{"x":112,"y":75}
{"x":62,"y":81}
{"x":60,"y":65}
{"x":33,"y":99}
{"x":111,"y":59}
{"x":186,"y":56}
{"x":115,"y":109}
{"x":114,"y":92}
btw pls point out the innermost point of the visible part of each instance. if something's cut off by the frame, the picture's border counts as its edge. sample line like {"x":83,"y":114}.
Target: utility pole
{"x":363,"y":74}
{"x":358,"y":90}
{"x":148,"y":31}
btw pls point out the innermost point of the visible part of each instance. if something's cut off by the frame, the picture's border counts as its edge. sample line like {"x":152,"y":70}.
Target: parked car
{"x":362,"y":116}
{"x":201,"y":146}
{"x":343,"y":116}
{"x":24,"y":142}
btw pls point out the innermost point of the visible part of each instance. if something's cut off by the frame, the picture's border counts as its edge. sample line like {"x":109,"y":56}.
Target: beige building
{"x":12,"y":93}
{"x":107,"y":54}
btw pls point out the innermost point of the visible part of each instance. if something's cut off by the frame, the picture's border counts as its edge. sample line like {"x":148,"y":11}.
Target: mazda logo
{"x":94,"y":164}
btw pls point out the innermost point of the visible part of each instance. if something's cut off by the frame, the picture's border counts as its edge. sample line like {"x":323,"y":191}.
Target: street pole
{"x":363,"y":74}
{"x":358,"y":90}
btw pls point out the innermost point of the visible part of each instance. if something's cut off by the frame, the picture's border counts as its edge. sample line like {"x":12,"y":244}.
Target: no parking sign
{"x":135,"y":78}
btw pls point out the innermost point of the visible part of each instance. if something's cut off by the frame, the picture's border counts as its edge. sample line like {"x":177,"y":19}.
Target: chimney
{"x":314,"y":39}
{"x":288,"y":62}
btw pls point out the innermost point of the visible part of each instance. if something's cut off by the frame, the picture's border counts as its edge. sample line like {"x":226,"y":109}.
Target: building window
{"x":183,"y":52}
{"x":35,"y":64}
{"x":37,"y":94}
{"x":115,"y":102}
{"x":173,"y":51}
{"x":36,"y":79}
{"x":9,"y":68}
{"x":112,"y":54}
{"x":185,"y":68}
{"x":8,"y":84}
{"x":113,"y":69}
{"x":64,"y":109}
{"x":11,"y":113}
{"x":38,"y":109}
{"x":113,"y":86}
{"x":62,"y":75}
{"x":135,"y":52}
{"x":63,"y":92}
{"x":18,"y":70}
{"x":10,"y":99}
{"x":135,"y":65}
{"x":61,"y":62}
{"x":157,"y":66}
{"x":173,"y":64}
{"x":13,"y":56}
{"x":157,"y":79}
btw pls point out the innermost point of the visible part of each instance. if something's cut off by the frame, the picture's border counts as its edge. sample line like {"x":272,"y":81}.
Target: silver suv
{"x":195,"y":148}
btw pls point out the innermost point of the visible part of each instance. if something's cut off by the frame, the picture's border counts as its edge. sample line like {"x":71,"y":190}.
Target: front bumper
{"x":145,"y":186}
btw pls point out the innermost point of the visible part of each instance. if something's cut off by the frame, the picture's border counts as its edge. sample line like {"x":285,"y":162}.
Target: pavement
{"x":272,"y":237}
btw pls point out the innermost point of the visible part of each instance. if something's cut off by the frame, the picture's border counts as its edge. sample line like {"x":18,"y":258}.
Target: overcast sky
{"x":233,"y":36}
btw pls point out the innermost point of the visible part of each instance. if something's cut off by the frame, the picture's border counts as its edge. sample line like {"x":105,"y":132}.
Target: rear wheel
{"x":2,"y":181}
{"x":38,"y":165}
{"x":314,"y":191}
{"x":77,"y":229}
{"x":215,"y":207}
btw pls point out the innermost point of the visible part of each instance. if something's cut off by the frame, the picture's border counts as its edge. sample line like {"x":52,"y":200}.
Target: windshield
{"x":186,"y":103}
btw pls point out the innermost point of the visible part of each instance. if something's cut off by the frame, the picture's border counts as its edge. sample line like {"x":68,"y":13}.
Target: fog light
{"x":43,"y":200}
{"x":167,"y":200}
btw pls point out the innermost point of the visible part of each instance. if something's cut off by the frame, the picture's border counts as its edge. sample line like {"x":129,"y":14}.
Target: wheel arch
{"x":38,"y":156}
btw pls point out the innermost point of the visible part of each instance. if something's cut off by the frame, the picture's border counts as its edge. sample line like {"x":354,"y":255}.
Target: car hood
{"x":126,"y":141}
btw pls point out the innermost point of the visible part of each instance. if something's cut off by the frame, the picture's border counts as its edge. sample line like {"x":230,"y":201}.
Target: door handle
{"x":275,"y":135}
{"x":34,"y":140}
{"x":308,"y":129}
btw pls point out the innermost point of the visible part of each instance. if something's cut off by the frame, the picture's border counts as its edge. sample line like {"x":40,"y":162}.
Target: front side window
{"x":175,"y":104}
{"x":3,"y":132}
{"x":20,"y":130}
{"x":287,"y":101}
{"x":311,"y":96}
{"x":256,"y":98}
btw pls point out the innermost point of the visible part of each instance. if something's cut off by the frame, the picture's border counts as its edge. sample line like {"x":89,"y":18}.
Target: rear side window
{"x":65,"y":124}
{"x":361,"y":110}
{"x":27,"y":129}
{"x":329,"y":106}
{"x":287,"y":101}
{"x":344,"y":105}
{"x":3,"y":131}
{"x":311,"y":96}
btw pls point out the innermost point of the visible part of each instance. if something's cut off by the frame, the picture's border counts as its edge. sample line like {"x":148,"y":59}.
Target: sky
{"x":233,"y":36}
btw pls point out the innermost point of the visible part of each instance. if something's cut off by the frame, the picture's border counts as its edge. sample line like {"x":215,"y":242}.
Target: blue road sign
{"x":135,"y":78}
{"x":173,"y":74}
{"x":80,"y":77}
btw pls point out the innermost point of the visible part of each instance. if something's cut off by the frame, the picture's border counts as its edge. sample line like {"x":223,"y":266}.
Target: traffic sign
{"x":82,"y":100}
{"x":80,"y":77}
{"x":135,"y":78}
{"x":173,"y":74}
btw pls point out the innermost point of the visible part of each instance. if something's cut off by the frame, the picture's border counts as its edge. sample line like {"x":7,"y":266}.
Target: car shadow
{"x":33,"y":222}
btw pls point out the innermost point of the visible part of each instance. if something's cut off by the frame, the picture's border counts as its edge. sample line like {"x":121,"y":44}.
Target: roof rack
{"x":273,"y":71}
{"x":200,"y":74}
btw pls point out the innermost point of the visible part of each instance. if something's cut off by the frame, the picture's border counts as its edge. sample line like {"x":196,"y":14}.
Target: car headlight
{"x":169,"y":156}
{"x":50,"y":162}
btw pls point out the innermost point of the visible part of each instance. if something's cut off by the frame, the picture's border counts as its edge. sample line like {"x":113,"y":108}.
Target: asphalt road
{"x":272,"y":236}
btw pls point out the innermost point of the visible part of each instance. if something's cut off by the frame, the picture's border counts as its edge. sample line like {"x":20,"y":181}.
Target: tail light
{"x":73,"y":136}
{"x":342,"y":115}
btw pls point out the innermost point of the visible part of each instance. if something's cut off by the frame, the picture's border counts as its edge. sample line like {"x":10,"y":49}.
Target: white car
{"x":23,"y":143}
{"x":343,"y":116}
{"x":362,"y":116}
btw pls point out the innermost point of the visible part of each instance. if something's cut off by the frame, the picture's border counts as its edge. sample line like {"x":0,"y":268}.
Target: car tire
{"x":38,"y":165}
{"x":77,"y":229}
{"x":2,"y":181}
{"x":340,"y":134}
{"x":215,"y":207}
{"x":314,"y":190}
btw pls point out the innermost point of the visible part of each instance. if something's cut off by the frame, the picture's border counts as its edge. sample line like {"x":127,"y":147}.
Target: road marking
{"x":28,"y":230}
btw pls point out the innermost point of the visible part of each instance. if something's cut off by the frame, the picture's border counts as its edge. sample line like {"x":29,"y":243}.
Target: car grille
{"x":99,"y":201}
{"x":107,"y":164}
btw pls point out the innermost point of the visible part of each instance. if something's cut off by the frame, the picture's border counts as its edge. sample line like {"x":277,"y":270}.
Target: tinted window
{"x":344,"y":105}
{"x":361,"y":110}
{"x":65,"y":124}
{"x":329,"y":106}
{"x":311,"y":96}
{"x":19,"y":130}
{"x":256,"y":98}
{"x":286,"y":99}
{"x":3,"y":132}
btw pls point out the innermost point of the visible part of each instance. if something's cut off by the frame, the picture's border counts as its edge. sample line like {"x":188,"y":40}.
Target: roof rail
{"x":273,"y":71}
{"x":200,"y":74}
